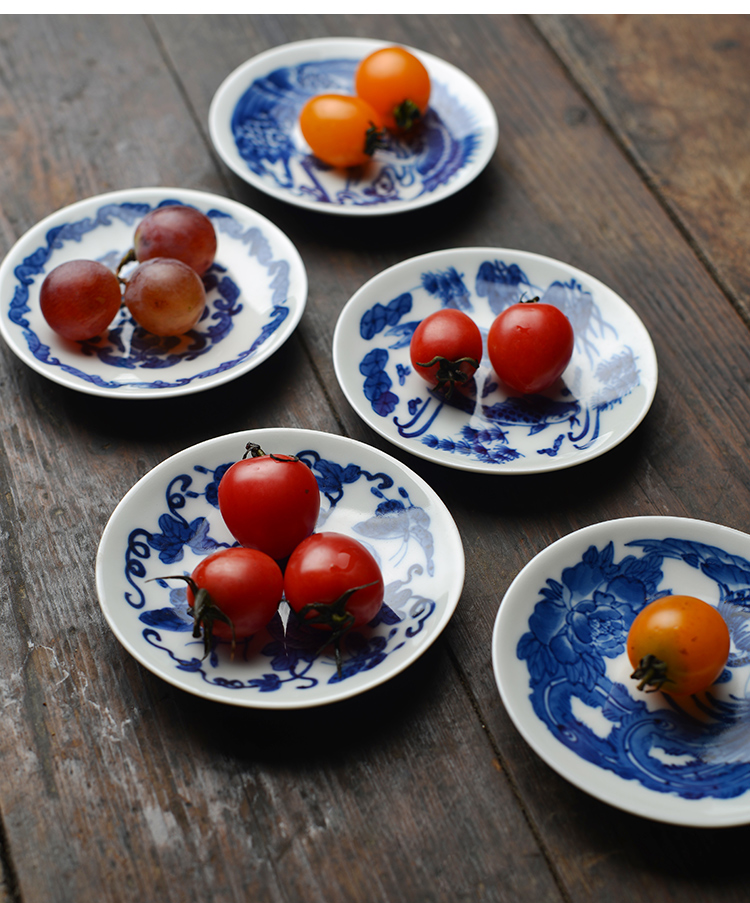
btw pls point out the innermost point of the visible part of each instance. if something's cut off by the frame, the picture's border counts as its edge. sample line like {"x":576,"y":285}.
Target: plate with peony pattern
{"x":602,"y":396}
{"x":253,"y":122}
{"x":170,"y":520}
{"x":560,"y":663}
{"x":256,"y":291}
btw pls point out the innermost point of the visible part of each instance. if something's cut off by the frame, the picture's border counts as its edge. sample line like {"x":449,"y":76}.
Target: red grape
{"x":182,"y":233}
{"x":165,"y":296}
{"x":80,"y":298}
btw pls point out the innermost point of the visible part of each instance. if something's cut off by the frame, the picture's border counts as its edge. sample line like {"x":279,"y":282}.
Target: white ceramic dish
{"x":558,"y":651}
{"x":253,"y":125}
{"x":604,"y":393}
{"x":169,"y":520}
{"x":257,"y":290}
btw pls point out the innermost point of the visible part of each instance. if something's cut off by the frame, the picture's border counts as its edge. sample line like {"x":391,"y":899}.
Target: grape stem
{"x":129,"y":257}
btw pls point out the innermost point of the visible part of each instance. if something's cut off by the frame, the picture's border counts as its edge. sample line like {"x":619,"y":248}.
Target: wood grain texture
{"x":123,"y":788}
{"x":675,"y":89}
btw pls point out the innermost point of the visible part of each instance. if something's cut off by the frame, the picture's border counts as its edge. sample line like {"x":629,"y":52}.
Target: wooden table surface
{"x":622,"y":151}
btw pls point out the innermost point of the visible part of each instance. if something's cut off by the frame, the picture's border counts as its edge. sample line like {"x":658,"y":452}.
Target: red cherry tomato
{"x":234,"y":593}
{"x":397,"y":85}
{"x":678,"y":644}
{"x":341,"y":131}
{"x":320,"y":574}
{"x":269,"y":502}
{"x":529,"y":345}
{"x":446,"y":349}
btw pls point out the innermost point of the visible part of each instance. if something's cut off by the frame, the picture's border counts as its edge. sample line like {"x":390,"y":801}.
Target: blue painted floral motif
{"x":499,"y":284}
{"x":577,"y":425}
{"x":448,"y":287}
{"x":378,"y":384}
{"x":581,"y":622}
{"x":380,"y":316}
{"x":265,"y":117}
{"x":127,"y":346}
{"x":290,"y":646}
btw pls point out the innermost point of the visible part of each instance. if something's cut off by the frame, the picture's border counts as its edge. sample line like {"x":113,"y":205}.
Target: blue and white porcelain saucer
{"x":253,"y":122}
{"x":170,"y":520}
{"x":560,"y":663}
{"x":256,"y":288}
{"x":604,"y":393}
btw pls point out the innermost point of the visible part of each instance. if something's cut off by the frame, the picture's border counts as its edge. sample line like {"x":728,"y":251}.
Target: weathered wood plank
{"x":126,"y":789}
{"x":675,"y":89}
{"x":560,"y":185}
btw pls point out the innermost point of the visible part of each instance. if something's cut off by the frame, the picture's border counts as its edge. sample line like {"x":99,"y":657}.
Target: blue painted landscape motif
{"x":265,"y":119}
{"x":696,"y":749}
{"x":290,"y":648}
{"x":563,"y":423}
{"x":129,"y":347}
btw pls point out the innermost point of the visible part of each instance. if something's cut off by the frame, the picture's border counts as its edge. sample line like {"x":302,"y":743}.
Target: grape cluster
{"x":173,"y":246}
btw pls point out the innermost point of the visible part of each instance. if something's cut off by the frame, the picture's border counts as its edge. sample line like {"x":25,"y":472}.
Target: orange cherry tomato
{"x":341,"y":130}
{"x":397,"y":85}
{"x":678,"y":644}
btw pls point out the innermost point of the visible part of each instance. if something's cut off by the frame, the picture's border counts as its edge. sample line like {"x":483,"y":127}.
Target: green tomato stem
{"x":205,"y":613}
{"x":652,"y":673}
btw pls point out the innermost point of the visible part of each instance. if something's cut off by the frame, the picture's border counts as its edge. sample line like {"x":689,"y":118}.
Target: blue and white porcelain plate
{"x":256,"y":288}
{"x":253,"y":122}
{"x":170,"y":520}
{"x":604,"y":393}
{"x":560,"y":663}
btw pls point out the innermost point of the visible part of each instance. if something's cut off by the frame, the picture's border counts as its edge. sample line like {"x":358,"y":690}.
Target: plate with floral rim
{"x":256,"y":292}
{"x":170,"y":520}
{"x":253,"y":122}
{"x":558,"y":651}
{"x":603,"y":394}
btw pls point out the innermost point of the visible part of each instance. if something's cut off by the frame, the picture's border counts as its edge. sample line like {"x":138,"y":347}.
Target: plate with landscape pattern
{"x":253,"y":122}
{"x":170,"y":520}
{"x":256,"y":293}
{"x":564,"y":675}
{"x":603,"y":394}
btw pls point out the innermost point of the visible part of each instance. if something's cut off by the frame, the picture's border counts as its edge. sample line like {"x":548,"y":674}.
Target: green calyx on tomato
{"x":374,"y":139}
{"x":333,"y":616}
{"x":407,"y":114}
{"x":448,"y":373}
{"x":652,"y":673}
{"x":205,"y":613}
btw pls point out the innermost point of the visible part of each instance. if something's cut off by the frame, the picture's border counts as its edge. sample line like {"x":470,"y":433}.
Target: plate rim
{"x":122,"y":195}
{"x":223,"y":95}
{"x":708,"y":812}
{"x":422,"y":452}
{"x":262,"y":434}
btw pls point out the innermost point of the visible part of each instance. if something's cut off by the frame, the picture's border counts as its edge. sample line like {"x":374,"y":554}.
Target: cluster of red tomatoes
{"x":392,"y":92}
{"x":270,"y":504}
{"x":173,"y":245}
{"x":529,"y":345}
